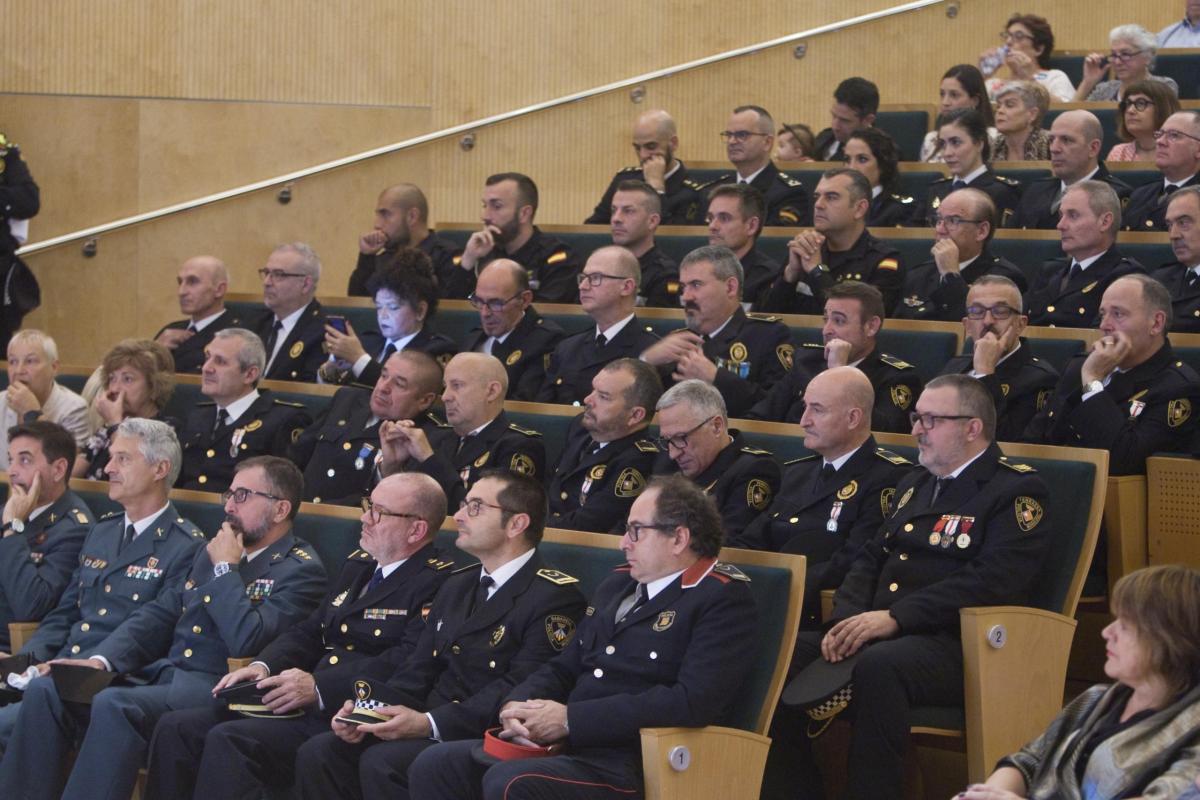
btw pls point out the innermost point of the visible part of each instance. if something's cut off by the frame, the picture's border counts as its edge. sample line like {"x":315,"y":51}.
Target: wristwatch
{"x":220,"y":568}
{"x":818,"y":269}
{"x":16,"y":526}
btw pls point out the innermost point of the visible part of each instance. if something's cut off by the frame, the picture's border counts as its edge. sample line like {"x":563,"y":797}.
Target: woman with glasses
{"x":963,"y":138}
{"x":1144,"y":108}
{"x":1028,"y":42}
{"x":1020,"y":108}
{"x":962,"y":87}
{"x":1131,"y":55}
{"x":873,"y":152}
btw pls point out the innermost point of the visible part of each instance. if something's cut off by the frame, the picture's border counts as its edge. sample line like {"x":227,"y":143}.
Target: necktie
{"x":825,"y":475}
{"x":601,"y":340}
{"x":130,"y":532}
{"x":481,"y":591}
{"x":1192,"y":279}
{"x":1071,"y":275}
{"x":192,"y":327}
{"x":462,"y":441}
{"x":388,"y":352}
{"x":958,"y":184}
{"x":1164,"y":195}
{"x":939,"y":486}
{"x":272,"y":339}
{"x":376,"y":579}
{"x":631,"y":602}
{"x":222,"y":421}
{"x":1058,"y":198}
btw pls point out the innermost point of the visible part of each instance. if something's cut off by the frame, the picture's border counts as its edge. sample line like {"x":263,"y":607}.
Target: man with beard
{"x":401,"y":220}
{"x":510,"y":201}
{"x":251,"y":582}
{"x":203,"y":281}
{"x":636,"y":215}
{"x":608,"y":455}
{"x":734,"y":219}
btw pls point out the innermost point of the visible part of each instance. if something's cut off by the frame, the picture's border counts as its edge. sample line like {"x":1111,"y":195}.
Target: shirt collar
{"x":498,"y":339}
{"x":1063,"y":185}
{"x":290,"y":321}
{"x":209,"y":320}
{"x":841,"y":460}
{"x":239,"y":406}
{"x":721,"y":327}
{"x":507,"y":570}
{"x":979,"y":171}
{"x":1084,"y":263}
{"x":959,"y":471}
{"x":403,"y":341}
{"x":876,"y":191}
{"x":139,"y":526}
{"x":37,"y":511}
{"x":750,"y":178}
{"x":657,"y":585}
{"x":611,"y":331}
{"x":388,"y":569}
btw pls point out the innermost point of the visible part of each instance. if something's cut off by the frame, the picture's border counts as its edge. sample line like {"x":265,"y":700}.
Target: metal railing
{"x":466,"y":127}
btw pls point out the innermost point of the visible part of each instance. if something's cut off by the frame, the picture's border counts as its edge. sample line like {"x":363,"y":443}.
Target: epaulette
{"x":556,"y":577}
{"x":726,"y":178}
{"x":438,"y":563}
{"x":467,"y":567}
{"x":359,"y":555}
{"x":1016,"y":467}
{"x":788,"y":180}
{"x":890,"y":457}
{"x":110,"y":514}
{"x":691,"y":184}
{"x":291,"y":403}
{"x":901,"y":198}
{"x":892,"y":361}
{"x":646,"y":446}
{"x":436,"y":420}
{"x":195,"y":532}
{"x":1008,"y":180}
{"x":814,"y":345}
{"x":730,"y":571}
{"x":763,"y":317}
{"x":801,"y":459}
{"x":941,"y":180}
{"x":300,"y":553}
{"x":80,"y":517}
{"x":634,"y":168}
{"x":525,"y":431}
{"x":556,"y":258}
{"x":756,"y":451}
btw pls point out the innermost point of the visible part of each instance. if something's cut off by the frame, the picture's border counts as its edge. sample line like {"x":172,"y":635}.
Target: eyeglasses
{"x":1140,"y":103}
{"x":594,"y":279}
{"x":1019,"y":36}
{"x":951,"y":221}
{"x":680,"y":440}
{"x":375,"y":513}
{"x":998,"y":311}
{"x":1124,"y":56}
{"x":739,"y":136}
{"x":494,"y":305}
{"x":474,"y":505}
{"x":634,"y":529}
{"x":930,"y":421}
{"x":274,"y":275}
{"x":1173,"y":136}
{"x":242,"y":494}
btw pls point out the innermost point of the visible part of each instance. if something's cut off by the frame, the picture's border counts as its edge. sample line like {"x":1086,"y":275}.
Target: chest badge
{"x":738,"y":351}
{"x":498,"y":635}
{"x":848,"y":491}
{"x":665,"y":620}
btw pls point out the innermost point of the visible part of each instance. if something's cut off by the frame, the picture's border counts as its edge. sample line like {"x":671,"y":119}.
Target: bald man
{"x":480,"y":436}
{"x":401,"y":220}
{"x":202,"y":281}
{"x":832,"y":501}
{"x":654,"y":143}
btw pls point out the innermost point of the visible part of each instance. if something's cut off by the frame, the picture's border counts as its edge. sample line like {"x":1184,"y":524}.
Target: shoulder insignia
{"x":1008,"y":180}
{"x":195,"y":532}
{"x":301,"y":553}
{"x":359,"y":554}
{"x":646,"y":446}
{"x":635,"y":168}
{"x":758,"y":494}
{"x":1017,"y":467}
{"x":1178,"y":412}
{"x":556,"y":577}
{"x":814,"y":346}
{"x":940,"y":180}
{"x":523,"y":465}
{"x":110,"y":515}
{"x":691,"y":184}
{"x":786,"y":353}
{"x":457,"y":259}
{"x":206,"y":403}
{"x":519,"y":429}
{"x":1028,"y":511}
{"x":788,"y":180}
{"x":438,"y":564}
{"x":630,"y":483}
{"x":279,"y":402}
{"x":892,"y":361}
{"x":730,"y":571}
{"x":801,"y":459}
{"x":763,"y":317}
{"x":889,"y":264}
{"x":80,"y":517}
{"x":900,"y":198}
{"x":890,"y":457}
{"x":902,"y":396}
{"x":436,"y":420}
{"x":788,"y":215}
{"x":475,"y":565}
{"x":756,"y":451}
{"x":557,"y":258}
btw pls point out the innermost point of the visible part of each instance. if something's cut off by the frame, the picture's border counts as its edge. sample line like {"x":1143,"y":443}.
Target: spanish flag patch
{"x":888,"y":263}
{"x":557,"y":257}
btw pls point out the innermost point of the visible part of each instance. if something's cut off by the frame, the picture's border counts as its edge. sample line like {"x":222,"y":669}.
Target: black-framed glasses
{"x":930,"y":421}
{"x":998,"y":311}
{"x":495,"y":305}
{"x":951,"y":220}
{"x":594,"y":279}
{"x":1173,"y":136}
{"x":1140,"y":103}
{"x":474,"y":505}
{"x":634,"y":529}
{"x":278,"y":274}
{"x":242,"y":494}
{"x":376,"y":513}
{"x":1019,"y":36}
{"x":1123,"y":57}
{"x":739,"y":136}
{"x":680,"y":440}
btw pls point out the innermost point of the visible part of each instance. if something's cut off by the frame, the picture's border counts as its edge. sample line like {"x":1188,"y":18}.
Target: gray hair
{"x":309,"y":264}
{"x":41,"y":338}
{"x":252,"y":352}
{"x":974,"y":400}
{"x":698,"y":395}
{"x":1101,"y":199}
{"x":724,"y":262}
{"x":1137,"y":36}
{"x":1007,"y":283}
{"x":1031,"y":95}
{"x":157,"y":442}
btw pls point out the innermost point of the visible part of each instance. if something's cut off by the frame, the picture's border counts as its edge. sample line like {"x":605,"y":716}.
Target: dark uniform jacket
{"x":267,"y":428}
{"x":577,"y":359}
{"x":1020,"y":387}
{"x":824,"y":139}
{"x":1147,"y":208}
{"x":827,"y":518}
{"x":553,"y":269}
{"x":1185,"y":299}
{"x":980,"y":544}
{"x":19,"y":199}
{"x":681,"y":201}
{"x":890,"y":210}
{"x":525,"y":353}
{"x":1149,"y":409}
{"x":108,"y":587}
{"x":788,"y":204}
{"x":1005,"y":193}
{"x":751,"y":352}
{"x":442,"y":252}
{"x":592,"y":490}
{"x":742,"y":480}
{"x":189,"y":355}
{"x":303,"y":350}
{"x":467,"y":660}
{"x":1036,"y":209}
{"x":352,"y":634}
{"x":439,"y":346}
{"x":676,"y":660}
{"x":660,"y":280}
{"x":500,"y":445}
{"x":760,"y":271}
{"x":36,"y":564}
{"x":896,"y":382}
{"x":1076,"y":306}
{"x":869,"y":260}
{"x":930,"y":295}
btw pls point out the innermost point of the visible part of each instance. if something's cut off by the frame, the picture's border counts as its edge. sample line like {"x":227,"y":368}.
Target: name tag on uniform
{"x":259,"y":589}
{"x":384,"y":613}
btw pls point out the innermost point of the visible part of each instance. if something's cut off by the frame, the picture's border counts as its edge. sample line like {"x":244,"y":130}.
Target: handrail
{"x":149,"y":216}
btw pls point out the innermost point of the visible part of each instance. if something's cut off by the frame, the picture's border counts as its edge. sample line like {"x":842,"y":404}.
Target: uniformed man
{"x":695,"y":439}
{"x":292,"y":328}
{"x":33,"y":393}
{"x":741,"y":354}
{"x":636,"y":215}
{"x":968,"y":530}
{"x":749,"y":140}
{"x":853,"y":319}
{"x":510,"y":328}
{"x":963,"y":228}
{"x":1075,"y":140}
{"x":339,"y":451}
{"x":510,"y":201}
{"x":673,"y":598}
{"x":1182,"y":277}
{"x":1066,"y":291}
{"x":1177,"y":157}
{"x":832,"y":502}
{"x":368,"y":624}
{"x":655,"y":141}
{"x":252,"y":581}
{"x":126,"y":561}
{"x":608,"y":289}
{"x":19,"y":200}
{"x":44,"y":524}
{"x":855,"y":103}
{"x":237,"y":421}
{"x":480,"y":436}
{"x":734,"y":218}
{"x":1130,"y":395}
{"x":491,"y":625}
{"x":608,"y":455}
{"x":202,"y":282}
{"x":1020,"y":383}
{"x":401,"y":220}
{"x":838,"y":249}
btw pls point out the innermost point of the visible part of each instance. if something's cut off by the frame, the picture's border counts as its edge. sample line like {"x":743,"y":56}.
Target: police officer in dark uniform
{"x":1004,"y":191}
{"x":292,"y":328}
{"x":1130,"y":396}
{"x":937,"y":289}
{"x":1182,"y":277}
{"x":1178,"y":160}
{"x":635,"y":216}
{"x":367,"y":625}
{"x":734,"y":218}
{"x":19,"y":200}
{"x":1147,"y":209}
{"x":490,"y":626}
{"x":890,"y":210}
{"x":202,"y":281}
{"x":697,"y":628}
{"x":608,"y":455}
{"x":38,"y":551}
{"x":238,"y":421}
{"x":968,"y":530}
{"x":1040,"y":200}
{"x":680,"y":197}
{"x":660,"y":279}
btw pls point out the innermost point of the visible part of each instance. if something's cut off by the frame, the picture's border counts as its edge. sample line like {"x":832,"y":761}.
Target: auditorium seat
{"x":1183,"y":65}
